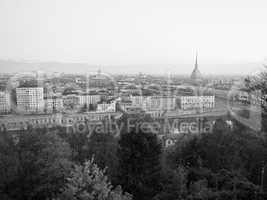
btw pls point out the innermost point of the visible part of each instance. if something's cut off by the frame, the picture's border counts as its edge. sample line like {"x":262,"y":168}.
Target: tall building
{"x":5,"y":104}
{"x":196,"y":75}
{"x":30,"y":99}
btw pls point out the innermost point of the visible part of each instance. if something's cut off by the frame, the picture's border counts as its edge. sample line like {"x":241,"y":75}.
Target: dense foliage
{"x":228,"y":163}
{"x":89,"y":182}
{"x":139,"y":164}
{"x":33,"y":165}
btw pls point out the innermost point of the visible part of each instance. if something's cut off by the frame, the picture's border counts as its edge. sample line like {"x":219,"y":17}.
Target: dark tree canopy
{"x":139,"y":164}
{"x":33,"y":165}
{"x":227,"y":162}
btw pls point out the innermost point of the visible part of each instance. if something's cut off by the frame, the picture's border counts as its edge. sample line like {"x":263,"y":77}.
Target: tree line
{"x":54,"y":164}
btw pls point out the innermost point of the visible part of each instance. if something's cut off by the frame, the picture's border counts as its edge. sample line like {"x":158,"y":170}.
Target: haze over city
{"x":133,"y":100}
{"x":133,"y":36}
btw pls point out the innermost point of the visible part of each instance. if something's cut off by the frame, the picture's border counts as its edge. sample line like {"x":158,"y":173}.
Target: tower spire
{"x":196,"y":75}
{"x":196,"y":64}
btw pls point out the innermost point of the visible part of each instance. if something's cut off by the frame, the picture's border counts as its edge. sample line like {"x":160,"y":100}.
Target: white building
{"x":106,"y":107}
{"x":5,"y":104}
{"x":196,"y":102}
{"x":89,"y":99}
{"x":151,"y":103}
{"x":138,"y":100}
{"x":30,"y":100}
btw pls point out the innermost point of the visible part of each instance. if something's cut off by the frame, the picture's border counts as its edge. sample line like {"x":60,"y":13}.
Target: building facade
{"x":30,"y":100}
{"x":22,"y":122}
{"x":89,"y":99}
{"x":138,"y":100}
{"x":160,"y":103}
{"x":152,"y":103}
{"x":200,"y":103}
{"x":106,"y":107}
{"x":5,"y":104}
{"x":53,"y":104}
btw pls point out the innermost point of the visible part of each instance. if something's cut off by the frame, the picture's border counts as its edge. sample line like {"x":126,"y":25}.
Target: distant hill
{"x":12,"y":66}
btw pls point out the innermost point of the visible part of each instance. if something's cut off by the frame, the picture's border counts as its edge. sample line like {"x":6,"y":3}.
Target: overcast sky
{"x":137,"y":32}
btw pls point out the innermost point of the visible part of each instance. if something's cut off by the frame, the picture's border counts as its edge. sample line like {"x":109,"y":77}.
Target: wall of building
{"x":30,"y":100}
{"x":5,"y":102}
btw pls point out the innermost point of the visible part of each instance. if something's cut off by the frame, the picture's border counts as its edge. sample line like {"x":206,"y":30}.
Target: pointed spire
{"x":196,"y":75}
{"x":196,"y":64}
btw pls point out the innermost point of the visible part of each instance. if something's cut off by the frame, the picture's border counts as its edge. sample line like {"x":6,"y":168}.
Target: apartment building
{"x":5,"y":104}
{"x":86,"y":99}
{"x":30,"y":99}
{"x":196,"y":102}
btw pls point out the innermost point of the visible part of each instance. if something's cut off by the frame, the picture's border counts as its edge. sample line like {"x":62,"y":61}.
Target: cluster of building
{"x":23,"y":122}
{"x":31,"y":100}
{"x":40,"y":100}
{"x":60,"y":103}
{"x":170,"y":103}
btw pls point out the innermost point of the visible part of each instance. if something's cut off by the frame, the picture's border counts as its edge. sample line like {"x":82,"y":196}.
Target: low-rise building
{"x":160,"y":103}
{"x":71,"y":102}
{"x":53,"y":104}
{"x":85,"y":99}
{"x":106,"y":107}
{"x":151,"y":103}
{"x":124,"y":105}
{"x":200,"y":103}
{"x":138,"y":100}
{"x":22,"y":122}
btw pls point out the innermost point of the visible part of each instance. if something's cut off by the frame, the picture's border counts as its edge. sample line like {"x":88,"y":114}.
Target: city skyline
{"x":141,"y":33}
{"x":21,"y":66}
{"x":133,"y":99}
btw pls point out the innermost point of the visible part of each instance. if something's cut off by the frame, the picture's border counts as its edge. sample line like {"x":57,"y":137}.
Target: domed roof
{"x":196,"y":74}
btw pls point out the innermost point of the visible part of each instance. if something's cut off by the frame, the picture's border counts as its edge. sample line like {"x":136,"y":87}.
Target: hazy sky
{"x":137,"y":32}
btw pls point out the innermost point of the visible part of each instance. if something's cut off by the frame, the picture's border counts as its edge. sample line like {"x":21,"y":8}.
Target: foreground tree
{"x":139,"y":164}
{"x":34,"y":165}
{"x":258,"y":83}
{"x":103,"y":147}
{"x":224,"y":164}
{"x":173,"y":184}
{"x":89,"y":182}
